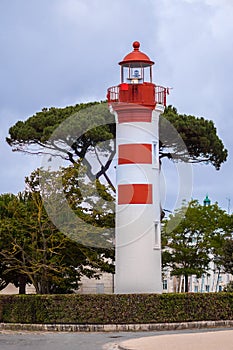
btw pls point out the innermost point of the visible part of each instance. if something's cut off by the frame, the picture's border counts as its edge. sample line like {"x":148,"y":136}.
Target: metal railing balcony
{"x":146,"y":94}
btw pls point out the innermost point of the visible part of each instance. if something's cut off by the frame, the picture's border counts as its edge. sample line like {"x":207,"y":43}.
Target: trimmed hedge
{"x":116,"y":309}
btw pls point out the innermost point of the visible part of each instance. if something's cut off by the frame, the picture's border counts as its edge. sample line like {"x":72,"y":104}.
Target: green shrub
{"x":229,"y":287}
{"x":111,"y":309}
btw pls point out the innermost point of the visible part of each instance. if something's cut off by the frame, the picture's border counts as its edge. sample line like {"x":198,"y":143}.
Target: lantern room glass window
{"x":136,"y":73}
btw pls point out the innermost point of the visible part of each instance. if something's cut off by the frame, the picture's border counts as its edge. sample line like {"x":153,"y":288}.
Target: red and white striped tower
{"x":137,"y":104}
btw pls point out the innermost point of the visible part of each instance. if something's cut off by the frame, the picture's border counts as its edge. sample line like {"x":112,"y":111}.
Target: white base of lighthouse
{"x":138,"y":242}
{"x":138,"y":254}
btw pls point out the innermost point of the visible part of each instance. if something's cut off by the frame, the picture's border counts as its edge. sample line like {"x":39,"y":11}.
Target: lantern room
{"x":136,"y":67}
{"x":136,"y":84}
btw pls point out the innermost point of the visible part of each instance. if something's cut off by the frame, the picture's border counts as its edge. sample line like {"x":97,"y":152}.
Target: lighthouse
{"x":137,"y":104}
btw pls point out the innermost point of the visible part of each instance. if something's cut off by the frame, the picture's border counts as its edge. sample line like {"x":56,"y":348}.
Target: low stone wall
{"x":115,"y":327}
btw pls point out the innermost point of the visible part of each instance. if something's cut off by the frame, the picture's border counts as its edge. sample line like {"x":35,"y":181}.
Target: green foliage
{"x":39,"y":127}
{"x":116,"y":309}
{"x":194,"y":236}
{"x":227,"y":256}
{"x":229,"y":287}
{"x":199,"y":135}
{"x":10,"y":208}
{"x":33,"y":248}
{"x":91,"y":200}
{"x":80,"y":208}
{"x":83,"y":135}
{"x":70,"y":133}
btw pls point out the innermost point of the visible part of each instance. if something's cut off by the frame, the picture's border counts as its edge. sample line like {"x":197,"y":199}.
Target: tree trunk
{"x":22,"y":284}
{"x":186,"y":281}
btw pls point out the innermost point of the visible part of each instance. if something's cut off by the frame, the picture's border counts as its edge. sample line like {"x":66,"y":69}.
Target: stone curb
{"x":114,"y":327}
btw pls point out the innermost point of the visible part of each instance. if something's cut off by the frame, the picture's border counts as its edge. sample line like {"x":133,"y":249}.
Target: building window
{"x":156,"y":235}
{"x":155,"y":154}
{"x":220,"y":288}
{"x":207,"y":288}
{"x":164,"y":284}
{"x":196,"y":289}
{"x":99,"y":288}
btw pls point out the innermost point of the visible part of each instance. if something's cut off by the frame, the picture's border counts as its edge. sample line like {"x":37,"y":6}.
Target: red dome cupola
{"x":136,"y":56}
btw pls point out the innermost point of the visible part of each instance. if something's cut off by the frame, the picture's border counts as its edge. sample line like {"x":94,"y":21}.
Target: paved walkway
{"x":219,"y":340}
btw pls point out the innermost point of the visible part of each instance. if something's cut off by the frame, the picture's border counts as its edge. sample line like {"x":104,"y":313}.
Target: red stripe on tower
{"x":131,"y":113}
{"x":135,"y":194}
{"x":135,"y":154}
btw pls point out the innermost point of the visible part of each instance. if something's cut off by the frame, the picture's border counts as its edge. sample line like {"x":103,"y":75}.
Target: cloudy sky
{"x":62,"y":52}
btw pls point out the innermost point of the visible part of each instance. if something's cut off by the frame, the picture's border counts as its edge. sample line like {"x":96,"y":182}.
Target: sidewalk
{"x":216,"y":340}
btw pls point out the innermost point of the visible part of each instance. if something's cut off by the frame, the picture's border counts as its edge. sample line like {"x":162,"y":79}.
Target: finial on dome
{"x":136,"y":45}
